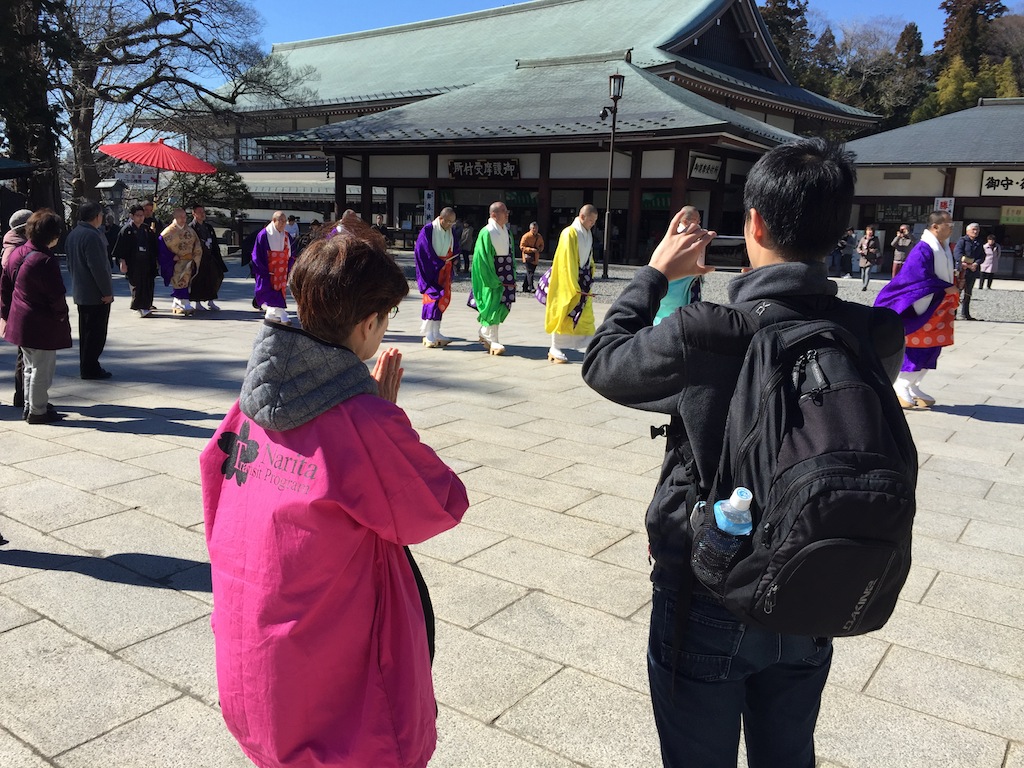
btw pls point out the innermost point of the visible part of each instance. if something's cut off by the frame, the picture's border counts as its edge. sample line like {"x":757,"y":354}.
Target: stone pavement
{"x":542,"y":594}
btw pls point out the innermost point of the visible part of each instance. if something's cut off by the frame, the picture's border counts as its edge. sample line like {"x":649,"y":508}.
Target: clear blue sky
{"x":292,"y":20}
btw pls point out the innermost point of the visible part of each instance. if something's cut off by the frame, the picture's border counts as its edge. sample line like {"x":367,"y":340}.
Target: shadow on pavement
{"x":1003,"y":414}
{"x":187,"y":575}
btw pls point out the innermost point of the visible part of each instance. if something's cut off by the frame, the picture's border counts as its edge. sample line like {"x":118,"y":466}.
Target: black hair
{"x":804,"y":192}
{"x":89,"y":211}
{"x":136,"y":209}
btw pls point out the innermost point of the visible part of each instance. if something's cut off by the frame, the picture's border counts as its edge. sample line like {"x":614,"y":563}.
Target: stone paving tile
{"x":532,"y":463}
{"x":511,"y":438}
{"x":583,"y":416}
{"x":592,"y":721}
{"x":143,"y":543}
{"x":631,"y":552}
{"x":950,"y":690}
{"x":939,"y":525}
{"x":962,"y":470}
{"x":592,"y":455}
{"x":182,"y":463}
{"x":972,"y":641}
{"x":501,"y":417}
{"x":858,"y":731}
{"x":155,"y":740}
{"x":463,"y":742}
{"x":459,"y":542}
{"x":113,"y":445}
{"x":111,"y":606}
{"x":577,"y":433}
{"x":195,"y":582}
{"x":919,"y":580}
{"x":1000,"y":538}
{"x":182,"y":657}
{"x":436,"y":440}
{"x":84,"y":471}
{"x":12,"y":476}
{"x":464,"y":597}
{"x":20,"y":447}
{"x":599,"y":585}
{"x":983,"y":564}
{"x":51,"y":677}
{"x":855,"y":659}
{"x":613,"y":510}
{"x":64,"y":506}
{"x":606,"y":481}
{"x":152,"y":494}
{"x":14,"y":754}
{"x":1015,"y":756}
{"x":1000,"y":505}
{"x":980,"y":599}
{"x":556,"y":496}
{"x":27,"y":548}
{"x":553,"y":529}
{"x":481,"y":677}
{"x":602,"y":645}
{"x":937,"y":478}
{"x":13,"y":615}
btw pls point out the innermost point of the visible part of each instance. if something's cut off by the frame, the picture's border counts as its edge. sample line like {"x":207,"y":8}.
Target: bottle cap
{"x":741,"y":499}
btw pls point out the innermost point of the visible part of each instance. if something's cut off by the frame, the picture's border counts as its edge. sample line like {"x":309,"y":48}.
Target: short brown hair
{"x":43,"y":227}
{"x":342,"y":279}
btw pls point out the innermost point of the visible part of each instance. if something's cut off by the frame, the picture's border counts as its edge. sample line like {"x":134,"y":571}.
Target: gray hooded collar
{"x":293,"y":377}
{"x":792,"y":278}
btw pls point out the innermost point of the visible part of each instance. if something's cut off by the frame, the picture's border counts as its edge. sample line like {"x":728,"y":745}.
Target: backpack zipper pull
{"x":769,"y":598}
{"x":816,"y":373}
{"x":798,"y":371}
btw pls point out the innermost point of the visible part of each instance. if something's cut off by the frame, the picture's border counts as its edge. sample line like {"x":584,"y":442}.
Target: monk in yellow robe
{"x":569,"y":316}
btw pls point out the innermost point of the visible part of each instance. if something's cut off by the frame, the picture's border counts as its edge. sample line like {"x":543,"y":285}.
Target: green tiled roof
{"x":541,"y":101}
{"x":981,"y":136}
{"x":470,"y":48}
{"x":10,"y":169}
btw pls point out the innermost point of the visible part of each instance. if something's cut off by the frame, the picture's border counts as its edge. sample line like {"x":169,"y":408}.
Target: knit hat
{"x":20,"y":218}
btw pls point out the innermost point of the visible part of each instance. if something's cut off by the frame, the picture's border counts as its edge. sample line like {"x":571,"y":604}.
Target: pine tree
{"x":787,"y":24}
{"x":966,"y":30}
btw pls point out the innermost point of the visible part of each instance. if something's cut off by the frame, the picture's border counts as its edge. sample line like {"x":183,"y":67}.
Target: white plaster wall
{"x":968,"y":182}
{"x":400,"y":166}
{"x":657,"y":164}
{"x":925,"y":182}
{"x":587,"y":165}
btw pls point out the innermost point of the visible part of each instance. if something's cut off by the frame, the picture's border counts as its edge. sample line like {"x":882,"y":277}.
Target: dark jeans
{"x":528,"y":283}
{"x":970,"y":276}
{"x":982,"y":277}
{"x":728,"y":671}
{"x":92,"y":336}
{"x":19,"y":380}
{"x":865,"y":276}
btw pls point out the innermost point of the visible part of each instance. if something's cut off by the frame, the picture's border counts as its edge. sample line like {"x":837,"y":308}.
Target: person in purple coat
{"x":436,"y":250}
{"x":925,"y":296}
{"x":34,"y":307}
{"x":272,"y":258}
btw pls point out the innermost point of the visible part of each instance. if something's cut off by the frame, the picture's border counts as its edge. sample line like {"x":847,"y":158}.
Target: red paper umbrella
{"x":156,"y":154}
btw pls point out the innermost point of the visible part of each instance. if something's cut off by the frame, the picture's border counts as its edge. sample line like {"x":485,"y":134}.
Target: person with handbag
{"x":901,"y":247}
{"x":531,"y":246}
{"x":870,"y":251}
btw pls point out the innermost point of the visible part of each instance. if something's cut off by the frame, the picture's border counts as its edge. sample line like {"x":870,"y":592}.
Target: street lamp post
{"x":615,"y":83}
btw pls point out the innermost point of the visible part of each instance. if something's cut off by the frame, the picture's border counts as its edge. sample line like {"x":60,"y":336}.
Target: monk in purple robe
{"x":272,"y":258}
{"x":436,"y":249}
{"x":925,"y":296}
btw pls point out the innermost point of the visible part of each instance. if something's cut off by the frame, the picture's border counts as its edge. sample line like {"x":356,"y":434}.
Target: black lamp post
{"x":615,"y":83}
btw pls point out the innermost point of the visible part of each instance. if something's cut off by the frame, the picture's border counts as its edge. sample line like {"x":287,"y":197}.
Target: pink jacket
{"x":322,"y":656}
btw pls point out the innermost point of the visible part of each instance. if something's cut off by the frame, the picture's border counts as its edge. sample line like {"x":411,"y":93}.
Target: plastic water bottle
{"x":716,"y":545}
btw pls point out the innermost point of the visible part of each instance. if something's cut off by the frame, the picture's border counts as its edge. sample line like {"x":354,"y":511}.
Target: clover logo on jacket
{"x":241,"y":452}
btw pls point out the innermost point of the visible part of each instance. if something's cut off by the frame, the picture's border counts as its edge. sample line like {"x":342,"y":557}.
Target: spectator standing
{"x":91,"y":288}
{"x":466,"y":243}
{"x":685,"y":290}
{"x":991,"y":264}
{"x":181,"y":254}
{"x":531,"y":247}
{"x":13,"y":238}
{"x":150,"y":218}
{"x":849,"y":246}
{"x":205,"y":285}
{"x":315,"y":232}
{"x":901,"y":245}
{"x":292,"y":228}
{"x":709,"y":672}
{"x":322,"y":622}
{"x":870,"y":251}
{"x":969,"y":254}
{"x":34,"y":307}
{"x":136,"y":252}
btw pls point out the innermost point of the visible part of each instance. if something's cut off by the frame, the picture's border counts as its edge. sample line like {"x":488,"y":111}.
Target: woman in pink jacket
{"x":313,"y":486}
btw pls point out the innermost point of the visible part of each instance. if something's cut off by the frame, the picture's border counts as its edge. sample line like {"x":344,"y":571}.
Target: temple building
{"x":506,"y":104}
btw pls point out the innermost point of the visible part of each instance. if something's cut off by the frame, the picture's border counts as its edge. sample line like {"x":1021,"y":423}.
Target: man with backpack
{"x":808,"y":422}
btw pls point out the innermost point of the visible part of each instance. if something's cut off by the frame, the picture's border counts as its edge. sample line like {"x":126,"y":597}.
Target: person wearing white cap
{"x":12,"y":239}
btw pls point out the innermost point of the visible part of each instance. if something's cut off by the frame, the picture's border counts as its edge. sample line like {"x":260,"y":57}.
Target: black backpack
{"x":815,"y":432}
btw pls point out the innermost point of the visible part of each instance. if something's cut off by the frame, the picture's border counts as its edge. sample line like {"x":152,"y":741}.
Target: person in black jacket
{"x":709,"y":671}
{"x":135,"y":251}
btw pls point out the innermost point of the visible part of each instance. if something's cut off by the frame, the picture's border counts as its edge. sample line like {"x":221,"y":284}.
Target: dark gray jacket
{"x":88,"y":265}
{"x":688,"y":367}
